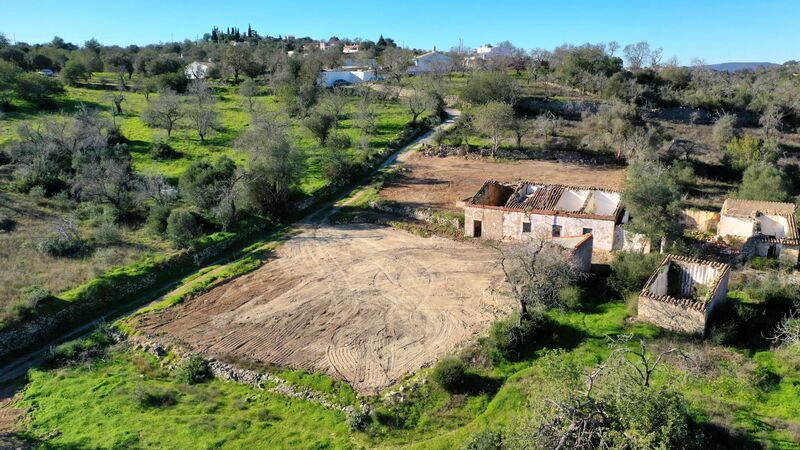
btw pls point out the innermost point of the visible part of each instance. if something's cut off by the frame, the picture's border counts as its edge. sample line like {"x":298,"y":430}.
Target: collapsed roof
{"x":554,"y":199}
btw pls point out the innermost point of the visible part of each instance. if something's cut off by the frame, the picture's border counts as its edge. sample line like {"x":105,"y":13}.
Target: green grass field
{"x":78,"y":402}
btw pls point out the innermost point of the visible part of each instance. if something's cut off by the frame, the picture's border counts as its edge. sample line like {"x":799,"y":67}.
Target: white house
{"x":524,"y":211}
{"x":197,"y":70}
{"x":770,"y":228}
{"x":331,"y":78}
{"x":491,"y":52}
{"x":430,"y":62}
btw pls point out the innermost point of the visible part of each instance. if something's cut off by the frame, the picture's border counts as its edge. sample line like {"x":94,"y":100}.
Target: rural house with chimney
{"x":525,"y":211}
{"x":683,"y":293}
{"x":768,"y":228}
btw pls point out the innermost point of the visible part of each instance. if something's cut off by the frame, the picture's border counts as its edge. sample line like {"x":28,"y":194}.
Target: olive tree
{"x":494,"y":120}
{"x":164,"y":112}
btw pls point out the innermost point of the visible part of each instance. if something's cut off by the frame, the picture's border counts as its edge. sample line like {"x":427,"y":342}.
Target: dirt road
{"x":364,"y":303}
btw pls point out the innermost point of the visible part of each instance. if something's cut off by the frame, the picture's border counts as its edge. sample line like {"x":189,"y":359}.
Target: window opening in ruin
{"x":587,"y":231}
{"x":476,"y":227}
{"x":526,"y":227}
{"x":556,"y":230}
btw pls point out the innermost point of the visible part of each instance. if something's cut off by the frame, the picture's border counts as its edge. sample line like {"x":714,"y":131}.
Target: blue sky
{"x":717,"y":31}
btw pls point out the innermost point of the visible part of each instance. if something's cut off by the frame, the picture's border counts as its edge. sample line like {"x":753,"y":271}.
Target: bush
{"x":182,"y":227}
{"x":157,"y":219}
{"x":154,"y":396}
{"x":7,"y":224}
{"x":107,"y":233}
{"x":763,"y":263}
{"x":571,"y":297}
{"x":193,"y":370}
{"x":27,"y":303}
{"x":507,"y":337}
{"x":162,"y":150}
{"x":176,"y":81}
{"x":451,"y":374}
{"x":359,"y":420}
{"x":484,"y":440}
{"x":81,"y":350}
{"x":631,"y":270}
{"x":38,"y":89}
{"x":65,"y":242}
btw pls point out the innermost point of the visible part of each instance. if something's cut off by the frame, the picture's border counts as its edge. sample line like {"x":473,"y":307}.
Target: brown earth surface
{"x":360,"y":302}
{"x":438,"y":183}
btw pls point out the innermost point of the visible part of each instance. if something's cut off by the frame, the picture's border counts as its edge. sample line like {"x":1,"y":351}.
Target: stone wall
{"x":500,"y":224}
{"x":705,"y":221}
{"x":673,"y":316}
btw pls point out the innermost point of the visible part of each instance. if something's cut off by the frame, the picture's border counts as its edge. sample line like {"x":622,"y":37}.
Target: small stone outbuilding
{"x":682,"y":294}
{"x":579,"y":249}
{"x":767,"y":228}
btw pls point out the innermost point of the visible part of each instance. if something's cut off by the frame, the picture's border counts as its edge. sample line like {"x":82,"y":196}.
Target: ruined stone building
{"x":768,"y":228}
{"x":579,"y":250}
{"x":682,"y":294}
{"x":525,"y":211}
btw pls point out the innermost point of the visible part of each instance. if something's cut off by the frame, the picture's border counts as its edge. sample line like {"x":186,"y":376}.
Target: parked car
{"x":47,"y":72}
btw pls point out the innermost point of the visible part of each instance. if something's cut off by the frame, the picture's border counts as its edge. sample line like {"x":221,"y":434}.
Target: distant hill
{"x":735,"y":66}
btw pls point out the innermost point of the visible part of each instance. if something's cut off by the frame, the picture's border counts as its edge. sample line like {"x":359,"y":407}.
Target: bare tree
{"x":164,"y":112}
{"x":641,"y":364}
{"x":537,"y":272}
{"x":335,"y":103}
{"x":249,"y":90}
{"x":205,"y":119}
{"x":636,"y":54}
{"x":654,"y":58}
{"x":612,"y":47}
{"x":787,"y":332}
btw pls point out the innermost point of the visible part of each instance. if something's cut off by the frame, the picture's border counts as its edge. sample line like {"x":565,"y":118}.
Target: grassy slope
{"x":95,"y":407}
{"x":59,"y":274}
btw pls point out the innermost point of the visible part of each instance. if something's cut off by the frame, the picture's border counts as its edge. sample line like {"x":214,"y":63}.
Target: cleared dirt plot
{"x":360,"y":302}
{"x":439,"y":183}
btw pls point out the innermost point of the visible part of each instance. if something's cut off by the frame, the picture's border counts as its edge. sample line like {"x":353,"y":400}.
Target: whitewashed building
{"x":331,"y":78}
{"x":431,"y":62}
{"x":197,"y":70}
{"x":525,"y":211}
{"x":768,"y":228}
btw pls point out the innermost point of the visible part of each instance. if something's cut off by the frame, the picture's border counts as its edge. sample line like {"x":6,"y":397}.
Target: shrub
{"x":38,"y":89}
{"x":27,"y":303}
{"x":157,"y":218}
{"x":451,"y":374}
{"x":484,"y":440}
{"x":65,"y":242}
{"x":7,"y":224}
{"x":764,"y":182}
{"x":193,"y":370}
{"x":182,"y":227}
{"x":107,"y":233}
{"x":154,"y":396}
{"x":176,"y":81}
{"x":81,"y":350}
{"x":507,"y":337}
{"x":571,"y":297}
{"x":631,"y":270}
{"x":359,"y":420}
{"x":162,"y":150}
{"x":763,"y":263}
